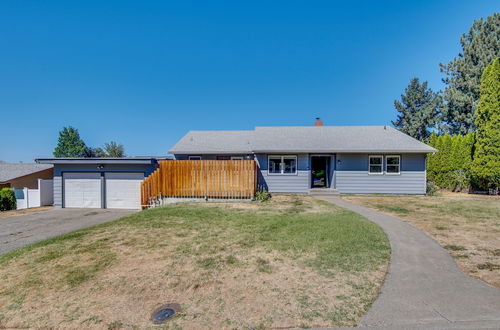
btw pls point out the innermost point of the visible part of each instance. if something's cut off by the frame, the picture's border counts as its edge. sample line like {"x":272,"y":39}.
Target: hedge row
{"x":450,"y":168}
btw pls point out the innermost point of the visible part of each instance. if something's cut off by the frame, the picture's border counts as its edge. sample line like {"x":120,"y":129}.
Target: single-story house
{"x":19,"y":176}
{"x":100,"y":182}
{"x":347,"y":159}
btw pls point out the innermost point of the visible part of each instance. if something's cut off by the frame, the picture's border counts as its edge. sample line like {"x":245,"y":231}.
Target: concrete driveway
{"x":424,"y":288}
{"x":18,"y":231}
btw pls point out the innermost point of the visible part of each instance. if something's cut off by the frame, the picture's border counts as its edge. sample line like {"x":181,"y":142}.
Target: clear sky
{"x":143,"y":73}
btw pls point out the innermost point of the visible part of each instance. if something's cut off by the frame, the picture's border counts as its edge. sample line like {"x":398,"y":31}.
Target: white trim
{"x":237,"y":158}
{"x":398,"y":165}
{"x":281,"y":164}
{"x":194,"y":156}
{"x":381,"y":165}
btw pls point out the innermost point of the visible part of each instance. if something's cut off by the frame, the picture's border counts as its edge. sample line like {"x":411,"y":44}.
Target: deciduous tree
{"x":113,"y":149}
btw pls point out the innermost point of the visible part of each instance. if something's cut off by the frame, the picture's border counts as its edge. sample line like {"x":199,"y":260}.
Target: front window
{"x":375,"y":165}
{"x":393,"y":164}
{"x":236,"y":157}
{"x":283,"y":164}
{"x":194,"y":157}
{"x":275,"y":165}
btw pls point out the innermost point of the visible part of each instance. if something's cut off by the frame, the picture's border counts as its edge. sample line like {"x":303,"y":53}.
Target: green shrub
{"x":459,"y":180}
{"x":7,"y":199}
{"x":431,"y":188}
{"x":450,"y":167}
{"x":262,"y":196}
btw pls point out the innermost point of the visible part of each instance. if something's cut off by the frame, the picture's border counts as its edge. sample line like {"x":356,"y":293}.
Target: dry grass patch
{"x":289,"y":262}
{"x":468,"y":226}
{"x":15,"y":213}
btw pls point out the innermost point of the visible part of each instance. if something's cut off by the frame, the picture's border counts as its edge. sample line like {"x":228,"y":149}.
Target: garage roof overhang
{"x":83,"y":161}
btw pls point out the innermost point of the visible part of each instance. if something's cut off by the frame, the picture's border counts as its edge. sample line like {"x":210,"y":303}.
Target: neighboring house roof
{"x":104,"y":160}
{"x":9,"y":171}
{"x":309,"y":139}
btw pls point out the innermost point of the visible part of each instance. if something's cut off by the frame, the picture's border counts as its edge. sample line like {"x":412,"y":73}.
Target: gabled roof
{"x":9,"y":171}
{"x":307,"y":139}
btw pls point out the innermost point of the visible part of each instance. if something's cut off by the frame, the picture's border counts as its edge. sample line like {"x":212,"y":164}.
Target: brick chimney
{"x":318,"y":122}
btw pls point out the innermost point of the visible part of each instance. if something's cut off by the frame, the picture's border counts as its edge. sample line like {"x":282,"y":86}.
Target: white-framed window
{"x":375,"y":164}
{"x":393,"y":164}
{"x":236,"y":157}
{"x":194,"y":157}
{"x":282,"y":165}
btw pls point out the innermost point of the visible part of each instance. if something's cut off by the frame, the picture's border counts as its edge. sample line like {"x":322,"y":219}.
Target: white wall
{"x":42,"y":196}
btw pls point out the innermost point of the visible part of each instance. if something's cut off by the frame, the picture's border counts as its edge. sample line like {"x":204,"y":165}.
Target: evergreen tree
{"x":445,"y":161}
{"x":431,"y":158}
{"x":450,"y":166}
{"x":70,"y":144}
{"x":480,"y":46}
{"x":469,"y":140}
{"x":486,"y":163}
{"x":418,"y":110}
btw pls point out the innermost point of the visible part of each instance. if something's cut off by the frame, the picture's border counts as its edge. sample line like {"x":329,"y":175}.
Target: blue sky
{"x":143,"y":73}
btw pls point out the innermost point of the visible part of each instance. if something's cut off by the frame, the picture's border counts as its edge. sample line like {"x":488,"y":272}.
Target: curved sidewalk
{"x":424,"y":287}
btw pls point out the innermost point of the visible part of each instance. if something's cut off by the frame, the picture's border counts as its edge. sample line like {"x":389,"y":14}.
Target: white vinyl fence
{"x":44,"y":195}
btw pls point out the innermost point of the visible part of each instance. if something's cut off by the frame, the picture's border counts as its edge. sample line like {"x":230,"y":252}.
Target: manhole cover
{"x":165,"y":312}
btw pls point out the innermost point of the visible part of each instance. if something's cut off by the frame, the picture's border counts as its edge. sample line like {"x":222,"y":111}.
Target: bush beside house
{"x":7,"y":199}
{"x":450,"y":167}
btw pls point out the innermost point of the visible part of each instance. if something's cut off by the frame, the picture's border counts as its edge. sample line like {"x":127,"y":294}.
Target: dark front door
{"x":319,"y":171}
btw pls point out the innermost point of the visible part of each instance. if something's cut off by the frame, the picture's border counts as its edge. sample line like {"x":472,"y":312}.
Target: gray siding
{"x":57,"y":191}
{"x":285,"y":183}
{"x":359,"y":182}
{"x":359,"y":162}
{"x":210,"y":157}
{"x":60,"y":169}
{"x":352,"y":176}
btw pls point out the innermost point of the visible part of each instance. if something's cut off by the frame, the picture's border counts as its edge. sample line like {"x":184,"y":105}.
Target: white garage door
{"x":123,"y":190}
{"x":82,"y":190}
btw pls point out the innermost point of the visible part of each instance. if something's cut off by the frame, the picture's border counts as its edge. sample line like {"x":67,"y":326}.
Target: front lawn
{"x":468,"y":226}
{"x":292,"y":261}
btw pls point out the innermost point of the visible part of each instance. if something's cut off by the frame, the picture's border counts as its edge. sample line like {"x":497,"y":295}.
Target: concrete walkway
{"x":424,"y":288}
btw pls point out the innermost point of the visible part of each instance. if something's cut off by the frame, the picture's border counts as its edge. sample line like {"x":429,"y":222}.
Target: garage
{"x":113,"y":183}
{"x":82,"y":190}
{"x":123,"y":190}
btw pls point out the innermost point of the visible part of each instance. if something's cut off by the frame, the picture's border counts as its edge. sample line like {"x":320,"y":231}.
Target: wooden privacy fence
{"x":200,"y":179}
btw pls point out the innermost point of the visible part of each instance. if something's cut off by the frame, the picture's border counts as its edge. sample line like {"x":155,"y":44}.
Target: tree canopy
{"x":417,"y":110}
{"x":70,"y":144}
{"x":480,"y":46}
{"x":113,"y":149}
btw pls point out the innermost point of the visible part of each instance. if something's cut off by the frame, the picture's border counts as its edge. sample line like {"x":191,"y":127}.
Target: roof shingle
{"x":356,"y":139}
{"x":9,"y":171}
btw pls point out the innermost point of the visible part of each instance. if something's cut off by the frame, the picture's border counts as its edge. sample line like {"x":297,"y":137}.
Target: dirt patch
{"x":15,"y":213}
{"x":468,"y":226}
{"x":279,"y":202}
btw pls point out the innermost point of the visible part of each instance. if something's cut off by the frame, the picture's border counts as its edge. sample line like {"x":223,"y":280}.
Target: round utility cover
{"x":164,"y":313}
